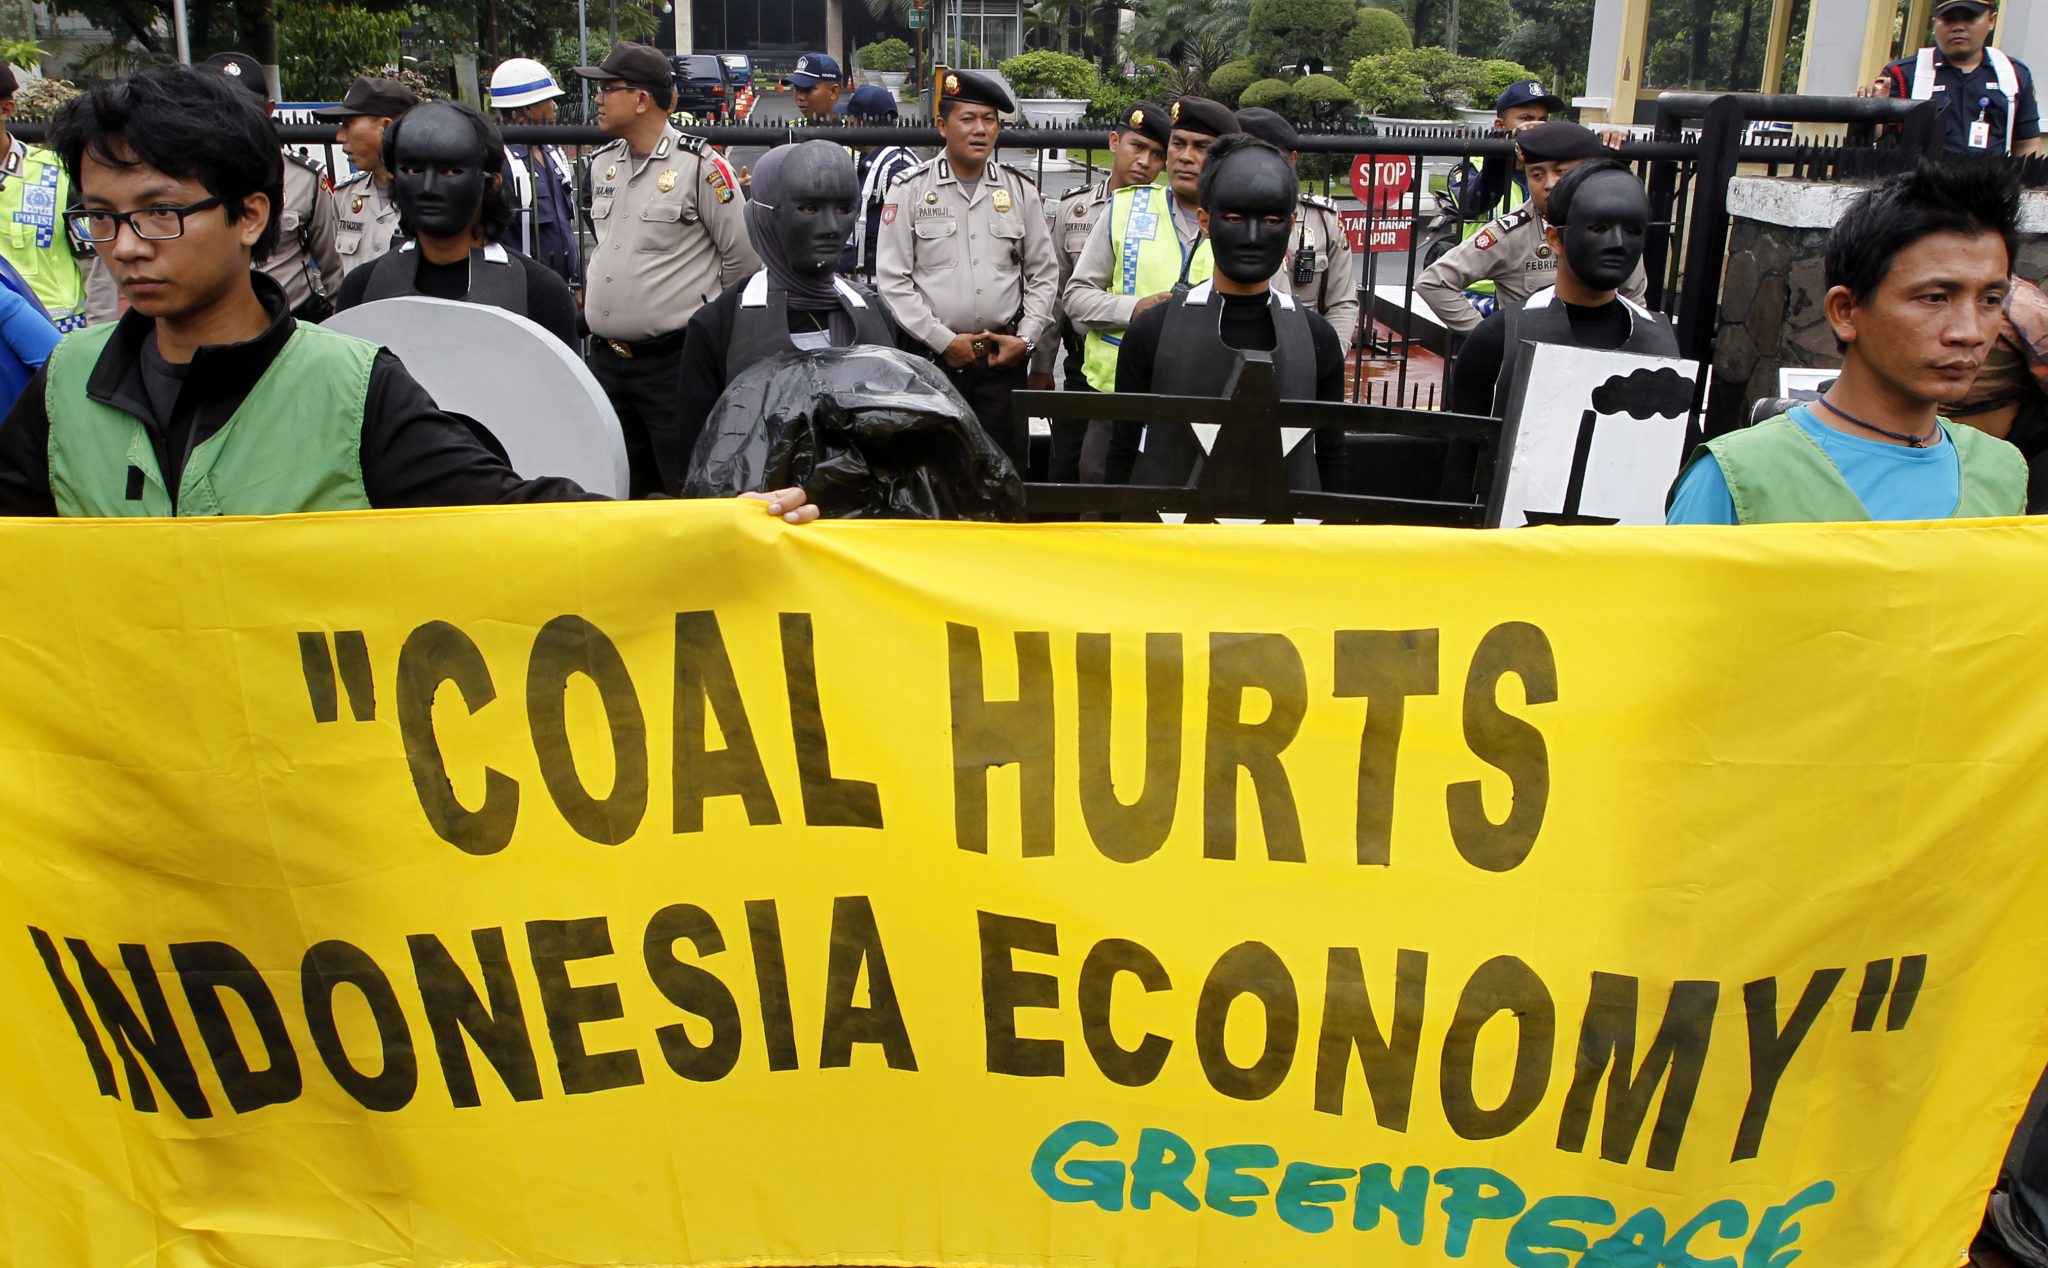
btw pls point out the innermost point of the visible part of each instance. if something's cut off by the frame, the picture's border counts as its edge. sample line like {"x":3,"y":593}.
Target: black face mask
{"x":440,"y":176}
{"x":1604,"y":241}
{"x":1251,"y":189}
{"x":814,"y":207}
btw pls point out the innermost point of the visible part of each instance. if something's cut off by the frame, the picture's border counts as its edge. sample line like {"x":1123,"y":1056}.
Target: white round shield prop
{"x":509,"y":374}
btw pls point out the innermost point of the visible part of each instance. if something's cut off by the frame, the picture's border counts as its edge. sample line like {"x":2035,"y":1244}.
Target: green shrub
{"x":1292,"y":32}
{"x":1375,"y":31}
{"x":1317,"y":99}
{"x":1270,"y":93}
{"x":1493,"y":75}
{"x":1047,"y":74}
{"x":1228,"y":81}
{"x":890,"y":55}
{"x":1383,"y":86}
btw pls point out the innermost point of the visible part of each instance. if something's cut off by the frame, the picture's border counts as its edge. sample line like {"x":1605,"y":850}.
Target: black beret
{"x":1268,"y":126}
{"x":243,"y":69}
{"x":1148,"y":119}
{"x":1199,"y":114}
{"x":975,"y":90}
{"x":1559,"y":141}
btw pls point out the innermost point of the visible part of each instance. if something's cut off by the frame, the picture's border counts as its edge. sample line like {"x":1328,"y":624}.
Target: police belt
{"x":627,"y":349}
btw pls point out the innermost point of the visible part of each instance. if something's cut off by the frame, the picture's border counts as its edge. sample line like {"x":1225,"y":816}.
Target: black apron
{"x":495,"y":279}
{"x":760,"y":327}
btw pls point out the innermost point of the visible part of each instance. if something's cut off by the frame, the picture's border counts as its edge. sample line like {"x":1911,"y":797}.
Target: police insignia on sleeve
{"x":1485,"y":240}
{"x":888,"y":213}
{"x":714,"y":176}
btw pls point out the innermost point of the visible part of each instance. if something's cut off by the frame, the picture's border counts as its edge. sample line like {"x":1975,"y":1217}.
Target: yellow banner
{"x":661,"y":884}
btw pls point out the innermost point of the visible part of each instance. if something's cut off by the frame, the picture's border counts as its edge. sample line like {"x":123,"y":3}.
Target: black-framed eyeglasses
{"x":605,"y":88}
{"x":153,"y":224}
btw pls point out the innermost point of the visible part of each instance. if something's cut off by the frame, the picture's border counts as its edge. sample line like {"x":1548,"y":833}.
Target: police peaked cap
{"x":1199,"y":114}
{"x":1148,"y":119}
{"x":1268,"y":126}
{"x":975,"y":90}
{"x":1559,"y":141}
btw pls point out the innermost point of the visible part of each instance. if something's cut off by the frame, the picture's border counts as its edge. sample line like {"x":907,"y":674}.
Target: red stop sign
{"x":1381,"y":181}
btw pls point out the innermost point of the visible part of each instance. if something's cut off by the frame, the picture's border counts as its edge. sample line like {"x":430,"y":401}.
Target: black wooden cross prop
{"x":1245,"y":473}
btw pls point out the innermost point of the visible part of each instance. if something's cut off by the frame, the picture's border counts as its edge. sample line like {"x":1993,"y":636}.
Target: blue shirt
{"x":1963,"y":98}
{"x":1894,"y":482}
{"x":26,"y":338}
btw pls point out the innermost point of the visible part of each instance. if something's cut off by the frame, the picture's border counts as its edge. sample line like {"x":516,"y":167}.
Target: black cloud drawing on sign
{"x":1645,"y":394}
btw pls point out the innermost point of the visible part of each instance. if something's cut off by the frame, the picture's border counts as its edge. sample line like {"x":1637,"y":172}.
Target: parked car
{"x":739,"y":69}
{"x":703,"y":86}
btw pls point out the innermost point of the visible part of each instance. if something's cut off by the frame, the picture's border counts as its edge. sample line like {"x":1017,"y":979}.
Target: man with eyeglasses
{"x":208,"y":397}
{"x":666,"y":210}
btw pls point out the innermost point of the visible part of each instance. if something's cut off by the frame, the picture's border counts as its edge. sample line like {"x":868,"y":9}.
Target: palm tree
{"x":1189,"y":31}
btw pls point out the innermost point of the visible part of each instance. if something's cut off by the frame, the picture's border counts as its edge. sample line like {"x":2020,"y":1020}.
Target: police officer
{"x":304,"y":261}
{"x":1320,"y":269}
{"x":1498,"y":186}
{"x":876,"y":168}
{"x":366,"y":218}
{"x":815,"y":85}
{"x":670,"y":236}
{"x":1987,"y":98}
{"x":1148,"y":245}
{"x":523,"y":92}
{"x":967,"y":265}
{"x":34,"y":193}
{"x":1137,"y":155}
{"x":1511,"y":251}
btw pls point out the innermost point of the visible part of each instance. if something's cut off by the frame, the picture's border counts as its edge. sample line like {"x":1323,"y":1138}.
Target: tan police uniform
{"x":306,"y":263}
{"x":1320,"y":269}
{"x":1512,"y":253}
{"x":955,"y":262}
{"x":670,"y":236}
{"x":366,"y":220}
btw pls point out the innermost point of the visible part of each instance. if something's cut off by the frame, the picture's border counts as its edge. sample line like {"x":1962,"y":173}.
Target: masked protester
{"x":802,"y":196}
{"x":1597,"y":217}
{"x":446,"y":161}
{"x":1189,"y":345}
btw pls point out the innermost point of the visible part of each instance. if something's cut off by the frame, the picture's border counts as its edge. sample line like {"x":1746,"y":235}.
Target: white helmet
{"x":521,"y":81}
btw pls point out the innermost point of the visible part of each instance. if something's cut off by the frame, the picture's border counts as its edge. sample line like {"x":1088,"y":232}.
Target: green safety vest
{"x":1145,"y":259}
{"x":294,"y":444}
{"x":1516,"y":196}
{"x":1777,"y":475}
{"x":34,"y":192}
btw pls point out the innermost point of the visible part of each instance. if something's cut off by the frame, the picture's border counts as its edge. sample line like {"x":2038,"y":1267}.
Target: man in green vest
{"x":207,"y":397}
{"x":1148,"y":246}
{"x":1917,"y":275}
{"x":33,"y":195}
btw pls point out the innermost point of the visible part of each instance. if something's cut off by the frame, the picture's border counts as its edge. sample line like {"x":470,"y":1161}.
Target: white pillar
{"x":835,"y":30}
{"x":2023,"y":33}
{"x":1846,"y":43}
{"x":686,"y":27}
{"x":1614,"y":64}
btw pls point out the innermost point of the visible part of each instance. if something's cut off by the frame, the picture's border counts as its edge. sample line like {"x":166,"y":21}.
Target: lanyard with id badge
{"x":1980,"y":131}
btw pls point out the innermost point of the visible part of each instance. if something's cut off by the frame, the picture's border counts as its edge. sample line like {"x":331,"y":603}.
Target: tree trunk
{"x":1702,"y":39}
{"x":1740,"y":57}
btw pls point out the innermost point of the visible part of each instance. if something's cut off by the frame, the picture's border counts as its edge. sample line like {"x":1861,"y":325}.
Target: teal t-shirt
{"x":1894,"y":482}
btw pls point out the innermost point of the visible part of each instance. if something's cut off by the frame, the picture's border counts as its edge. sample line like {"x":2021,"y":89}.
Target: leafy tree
{"x":1551,"y":37}
{"x":1318,"y":99}
{"x":1291,"y":32}
{"x":1228,"y":82}
{"x":1179,"y":31}
{"x":883,"y":55}
{"x":1384,"y":86}
{"x":1493,"y":75}
{"x":1046,"y":74}
{"x":324,"y":46}
{"x":1373,"y":32}
{"x":1269,"y":93}
{"x":1448,"y":80}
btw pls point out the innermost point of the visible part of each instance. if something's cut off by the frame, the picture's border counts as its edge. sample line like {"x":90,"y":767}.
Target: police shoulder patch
{"x":1484,"y":240}
{"x":1515,"y":219}
{"x":690,"y":141}
{"x":1317,"y":200}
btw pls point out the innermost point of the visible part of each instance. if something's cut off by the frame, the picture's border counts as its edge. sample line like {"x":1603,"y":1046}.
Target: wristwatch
{"x":1030,"y":347}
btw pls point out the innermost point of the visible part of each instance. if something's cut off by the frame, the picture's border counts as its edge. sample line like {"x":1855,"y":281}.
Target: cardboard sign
{"x":1591,"y":437}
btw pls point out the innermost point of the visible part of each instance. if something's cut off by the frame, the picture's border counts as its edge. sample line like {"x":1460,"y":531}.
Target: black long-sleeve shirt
{"x":413,"y":453}
{"x":549,"y":302}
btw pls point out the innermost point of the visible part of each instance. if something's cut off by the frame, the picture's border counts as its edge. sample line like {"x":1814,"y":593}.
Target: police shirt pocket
{"x":1007,"y":229}
{"x":601,"y":208}
{"x":938,"y":242}
{"x":664,"y":226}
{"x":348,"y":242}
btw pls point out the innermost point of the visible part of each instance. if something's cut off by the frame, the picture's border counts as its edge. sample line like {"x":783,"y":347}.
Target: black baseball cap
{"x":1558,"y":141}
{"x":243,"y":69}
{"x":1977,"y":8}
{"x":975,"y":90}
{"x":370,"y":95}
{"x":641,"y":65}
{"x":1149,"y":120}
{"x":1199,"y":114}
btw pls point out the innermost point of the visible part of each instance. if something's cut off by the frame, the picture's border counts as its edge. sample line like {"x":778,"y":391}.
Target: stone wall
{"x":1771,"y":292}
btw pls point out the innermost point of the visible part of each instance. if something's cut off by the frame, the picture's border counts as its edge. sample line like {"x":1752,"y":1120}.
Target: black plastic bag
{"x":867,"y":432}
